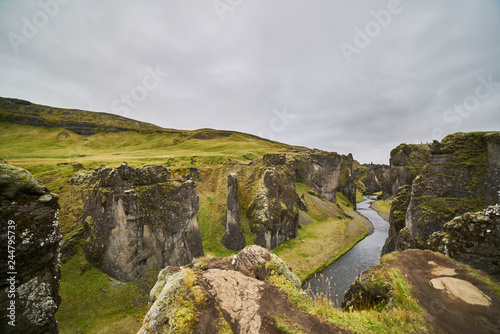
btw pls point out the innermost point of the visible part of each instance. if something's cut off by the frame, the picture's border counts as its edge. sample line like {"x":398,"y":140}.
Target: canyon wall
{"x":135,"y":219}
{"x":462,"y":175}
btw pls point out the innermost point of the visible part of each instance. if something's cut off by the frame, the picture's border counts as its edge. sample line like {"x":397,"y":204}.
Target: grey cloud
{"x":265,"y":56}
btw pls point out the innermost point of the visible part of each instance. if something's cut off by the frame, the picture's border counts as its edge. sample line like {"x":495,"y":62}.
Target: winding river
{"x":339,"y":276}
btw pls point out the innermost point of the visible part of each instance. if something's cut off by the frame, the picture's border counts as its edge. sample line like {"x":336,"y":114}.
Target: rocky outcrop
{"x":326,"y":174}
{"x":227,"y":296}
{"x":136,"y":219}
{"x":473,"y":239}
{"x":462,"y":175}
{"x":233,"y":236}
{"x":406,"y":163}
{"x":375,"y":178}
{"x":30,"y":273}
{"x":274,"y":212}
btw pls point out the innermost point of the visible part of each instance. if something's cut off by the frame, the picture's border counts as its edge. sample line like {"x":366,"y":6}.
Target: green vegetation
{"x":493,"y":285}
{"x":402,"y":315}
{"x":321,"y":242}
{"x":212,"y":232}
{"x":92,"y":302}
{"x":287,"y":326}
{"x":190,"y":296}
{"x":382,"y":206}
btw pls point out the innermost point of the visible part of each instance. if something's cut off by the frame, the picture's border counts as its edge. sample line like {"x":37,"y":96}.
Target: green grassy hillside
{"x":43,"y":140}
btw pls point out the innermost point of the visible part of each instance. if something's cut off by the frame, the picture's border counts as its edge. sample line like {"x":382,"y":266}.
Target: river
{"x":339,"y":276}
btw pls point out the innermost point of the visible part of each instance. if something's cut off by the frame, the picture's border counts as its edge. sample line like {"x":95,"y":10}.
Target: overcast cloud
{"x":299,"y":72}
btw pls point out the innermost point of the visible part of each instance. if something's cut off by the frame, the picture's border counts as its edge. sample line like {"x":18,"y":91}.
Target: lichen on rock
{"x":32,"y":212}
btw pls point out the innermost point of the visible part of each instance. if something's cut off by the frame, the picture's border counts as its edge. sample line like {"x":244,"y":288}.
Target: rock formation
{"x":233,"y":236}
{"x":462,"y":174}
{"x":326,"y":174}
{"x":29,"y":226}
{"x":274,"y":211}
{"x":137,"y":219}
{"x":227,"y":293}
{"x":375,"y":178}
{"x":473,"y":239}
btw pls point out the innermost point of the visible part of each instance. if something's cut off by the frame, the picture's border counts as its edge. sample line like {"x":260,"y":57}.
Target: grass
{"x":494,"y":286}
{"x":321,"y":242}
{"x":404,"y":315}
{"x":94,"y":303}
{"x":211,"y":228}
{"x":317,"y":246}
{"x":287,"y":326}
{"x":382,"y":206}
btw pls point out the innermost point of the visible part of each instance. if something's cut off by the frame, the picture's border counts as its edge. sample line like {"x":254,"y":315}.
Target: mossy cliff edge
{"x":440,"y":181}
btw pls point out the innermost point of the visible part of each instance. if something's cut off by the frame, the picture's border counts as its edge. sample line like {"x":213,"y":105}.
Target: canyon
{"x":197,"y":217}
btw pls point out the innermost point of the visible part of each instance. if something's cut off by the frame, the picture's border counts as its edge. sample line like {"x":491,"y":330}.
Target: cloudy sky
{"x":346,"y":76}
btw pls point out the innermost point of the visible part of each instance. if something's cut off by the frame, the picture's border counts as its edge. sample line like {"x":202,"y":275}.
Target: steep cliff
{"x":29,"y":272}
{"x":233,"y":236}
{"x":136,"y":219}
{"x":375,"y":178}
{"x":405,"y":163}
{"x":274,"y":211}
{"x":462,"y":174}
{"x":327,"y":173}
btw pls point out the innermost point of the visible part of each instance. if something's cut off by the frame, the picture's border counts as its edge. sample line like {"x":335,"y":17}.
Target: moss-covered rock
{"x":30,"y":272}
{"x":472,"y":238}
{"x":460,"y":174}
{"x":136,"y":219}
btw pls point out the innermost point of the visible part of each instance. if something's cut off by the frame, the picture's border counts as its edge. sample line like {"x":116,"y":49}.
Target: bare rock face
{"x":321,"y":173}
{"x":233,"y":236}
{"x":30,"y":273}
{"x":137,"y":219}
{"x":473,"y":238}
{"x":274,"y":212}
{"x":377,"y":178}
{"x":326,"y":174}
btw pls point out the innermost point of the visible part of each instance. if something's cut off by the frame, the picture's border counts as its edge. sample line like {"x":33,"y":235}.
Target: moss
{"x":287,"y":326}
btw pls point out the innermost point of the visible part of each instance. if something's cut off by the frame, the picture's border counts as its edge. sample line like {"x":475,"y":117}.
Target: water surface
{"x":339,"y":276}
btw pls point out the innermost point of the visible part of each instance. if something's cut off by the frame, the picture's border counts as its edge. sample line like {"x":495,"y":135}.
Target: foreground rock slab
{"x":240,"y":299}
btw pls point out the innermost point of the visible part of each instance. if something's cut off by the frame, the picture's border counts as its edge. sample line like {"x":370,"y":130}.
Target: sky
{"x":353,"y":76}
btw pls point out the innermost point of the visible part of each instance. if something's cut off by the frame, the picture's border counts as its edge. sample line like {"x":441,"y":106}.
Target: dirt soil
{"x":455,"y":301}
